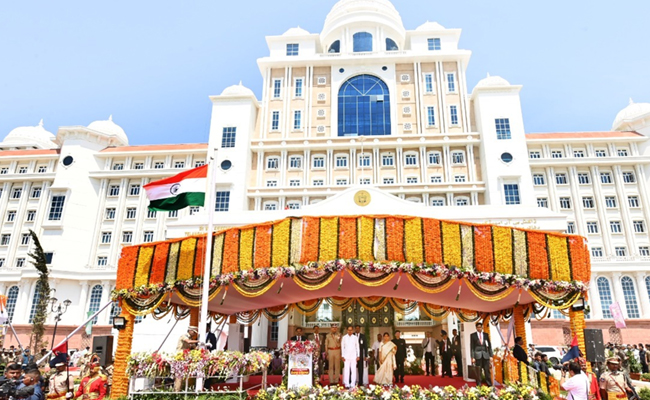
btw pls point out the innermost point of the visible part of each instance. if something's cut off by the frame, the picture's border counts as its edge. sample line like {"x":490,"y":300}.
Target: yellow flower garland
{"x":120,"y":386}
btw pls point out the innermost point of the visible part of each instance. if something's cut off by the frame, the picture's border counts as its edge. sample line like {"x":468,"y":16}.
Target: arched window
{"x":324,"y":312}
{"x":414,"y":316}
{"x":35,"y":300}
{"x":629,"y":294}
{"x":362,"y":41}
{"x":605,"y":294}
{"x":647,"y":285}
{"x":95,"y":300}
{"x":364,"y":107}
{"x":335,"y":47}
{"x":391,"y":45}
{"x":115,"y":311}
{"x":12,"y":299}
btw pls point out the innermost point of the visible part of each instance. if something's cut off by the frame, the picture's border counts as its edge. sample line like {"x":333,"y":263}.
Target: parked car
{"x":553,"y":353}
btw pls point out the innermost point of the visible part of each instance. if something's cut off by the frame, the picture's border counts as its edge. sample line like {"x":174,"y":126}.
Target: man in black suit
{"x":481,"y":350}
{"x":400,"y":357}
{"x":444,"y":346}
{"x":299,"y":336}
{"x":363,"y":354}
{"x":456,"y":352}
{"x":210,"y":338}
{"x":518,"y":351}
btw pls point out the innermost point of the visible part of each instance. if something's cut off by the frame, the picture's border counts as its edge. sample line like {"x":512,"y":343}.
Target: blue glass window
{"x":297,"y":120}
{"x":12,"y":299}
{"x":511,"y":191}
{"x":335,"y":47}
{"x":503,"y":128}
{"x":428,"y":83}
{"x":292,"y":49}
{"x":37,"y":298}
{"x":431,"y":116}
{"x":95,"y":301}
{"x":451,"y":82}
{"x":629,"y":294}
{"x":228,"y":136}
{"x":298,"y":92}
{"x":222,"y":202}
{"x":362,"y":42}
{"x":434,"y":43}
{"x":277,"y":88}
{"x":391,"y":45}
{"x":275,"y":120}
{"x":453,"y":114}
{"x":605,"y":294}
{"x":364,"y":107}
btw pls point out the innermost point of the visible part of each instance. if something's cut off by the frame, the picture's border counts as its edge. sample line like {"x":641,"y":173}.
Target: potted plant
{"x":635,"y":367}
{"x":645,"y":377}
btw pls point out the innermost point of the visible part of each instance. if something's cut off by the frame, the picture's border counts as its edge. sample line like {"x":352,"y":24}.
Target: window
{"x":628,"y":177}
{"x":106,"y":237}
{"x":20,"y":262}
{"x":629,"y":294}
{"x":571,"y":227}
{"x":451,"y":82}
{"x":534,"y":154}
{"x":387,"y":160}
{"x":42,"y":169}
{"x":148,"y":236}
{"x":275,"y":328}
{"x":588,"y":202}
{"x":118,"y":166}
{"x":433,"y":158}
{"x":31,"y":216}
{"x":95,"y":301}
{"x":194,"y":210}
{"x":138,"y":165}
{"x":644,"y":251}
{"x":639,"y":226}
{"x":410,"y":159}
{"x":277,"y":90}
{"x":601,"y":153}
{"x":4,"y":171}
{"x":431,"y":116}
{"x":134,"y":190}
{"x":511,"y":193}
{"x":620,"y":251}
{"x":565,"y":203}
{"x":222,"y":201}
{"x":172,"y":214}
{"x":318,"y":182}
{"x":597,"y":252}
{"x":460,"y":178}
{"x":16,"y":193}
{"x":12,"y":299}
{"x":127,"y":237}
{"x":272,"y":163}
{"x":462,"y":201}
{"x":228,"y":136}
{"x":318,"y":162}
{"x":364,"y":181}
{"x":102,"y":261}
{"x":36,"y":192}
{"x":592,"y":227}
{"x":11,"y":216}
{"x":583,"y":178}
{"x":428,"y":83}
{"x":578,"y":153}
{"x":542,"y":202}
{"x":179,"y":164}
{"x":458,"y":157}
{"x":503,"y":128}
{"x":297,"y":92}
{"x":294,"y":182}
{"x":56,"y":208}
{"x":294,"y":205}
{"x":622,"y":152}
{"x":615,"y":226}
{"x":297,"y":120}
{"x":539,"y":179}
{"x":114,"y":190}
{"x":199,"y":163}
{"x":605,"y":294}
{"x":364,"y":160}
{"x":341,"y":182}
{"x":364,"y":107}
{"x":633,"y":201}
{"x":159,"y":165}
{"x":361,"y":41}
{"x":271,"y":206}
{"x":109,"y":213}
{"x":275,"y":121}
{"x":5,"y":239}
{"x":605,"y":177}
{"x":151,"y":214}
{"x":130,"y":213}
{"x":341,"y":161}
{"x":610,"y":202}
{"x":292,"y":49}
{"x":35,"y":301}
{"x":557,"y":154}
{"x":295,"y":162}
{"x":453,"y":115}
{"x":560,"y":179}
{"x":438,"y":201}
{"x":411,"y":179}
{"x":391,"y":45}
{"x":24,"y":239}
{"x":433,"y":43}
{"x":272,"y":183}
{"x":436,"y":178}
{"x":389,"y":181}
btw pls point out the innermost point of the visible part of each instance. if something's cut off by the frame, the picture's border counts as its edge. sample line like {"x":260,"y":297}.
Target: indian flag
{"x":178,"y":191}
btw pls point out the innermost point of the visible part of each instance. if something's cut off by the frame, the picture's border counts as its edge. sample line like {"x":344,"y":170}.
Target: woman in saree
{"x":384,"y":375}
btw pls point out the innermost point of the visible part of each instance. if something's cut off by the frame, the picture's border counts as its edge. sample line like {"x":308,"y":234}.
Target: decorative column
{"x":642,"y":294}
{"x":83,"y":299}
{"x":106,"y":295}
{"x":520,"y":324}
{"x":577,"y":320}
{"x":124,"y":344}
{"x":194,"y":316}
{"x":594,"y":299}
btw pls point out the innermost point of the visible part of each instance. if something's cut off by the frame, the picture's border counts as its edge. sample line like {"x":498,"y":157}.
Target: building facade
{"x":365,"y":102}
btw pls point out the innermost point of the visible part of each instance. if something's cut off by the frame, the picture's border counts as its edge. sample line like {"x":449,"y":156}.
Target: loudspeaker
{"x":103,"y":347}
{"x":594,"y":345}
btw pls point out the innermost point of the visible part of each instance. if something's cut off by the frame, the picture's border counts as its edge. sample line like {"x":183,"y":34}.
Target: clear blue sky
{"x":153,"y":64}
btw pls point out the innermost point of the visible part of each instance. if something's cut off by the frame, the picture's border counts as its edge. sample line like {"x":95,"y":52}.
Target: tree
{"x":43,"y":289}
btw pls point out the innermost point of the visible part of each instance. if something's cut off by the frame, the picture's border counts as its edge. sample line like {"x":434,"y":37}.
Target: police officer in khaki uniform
{"x":333,"y":348}
{"x":61,"y":384}
{"x":612,"y":382}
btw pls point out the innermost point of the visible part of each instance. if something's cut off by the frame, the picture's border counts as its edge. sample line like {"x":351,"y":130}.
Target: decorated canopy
{"x":300,"y":262}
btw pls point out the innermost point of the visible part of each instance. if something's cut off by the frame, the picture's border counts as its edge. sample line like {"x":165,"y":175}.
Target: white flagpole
{"x":207,"y":269}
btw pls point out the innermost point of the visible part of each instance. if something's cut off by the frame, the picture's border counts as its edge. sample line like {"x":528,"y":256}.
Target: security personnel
{"x":612,"y":382}
{"x":333,"y":348}
{"x":92,"y":387}
{"x":61,"y":383}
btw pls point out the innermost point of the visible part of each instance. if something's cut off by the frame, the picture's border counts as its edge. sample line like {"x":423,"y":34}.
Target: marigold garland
{"x":280,"y":246}
{"x":246,"y":246}
{"x":159,"y":265}
{"x":451,"y":248}
{"x":120,"y":386}
{"x":365,"y":238}
{"x":347,"y":238}
{"x":413,"y":242}
{"x":520,"y":324}
{"x":186,"y":259}
{"x":395,"y":239}
{"x":329,"y":240}
{"x":483,"y":248}
{"x":502,"y":249}
{"x":432,"y":241}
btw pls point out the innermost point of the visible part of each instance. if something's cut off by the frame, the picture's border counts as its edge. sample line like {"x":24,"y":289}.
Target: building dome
{"x":31,"y":136}
{"x":362,"y":13}
{"x":237,"y":90}
{"x":111,"y":129}
{"x":630,"y":113}
{"x":430,"y":27}
{"x":492,"y":81}
{"x":297,"y":31}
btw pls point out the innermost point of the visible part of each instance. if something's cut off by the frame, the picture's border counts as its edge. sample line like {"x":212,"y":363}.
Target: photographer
{"x":575,"y":382}
{"x":30,"y":388}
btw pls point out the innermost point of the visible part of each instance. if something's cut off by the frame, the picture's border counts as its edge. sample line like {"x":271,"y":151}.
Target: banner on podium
{"x":300,"y":370}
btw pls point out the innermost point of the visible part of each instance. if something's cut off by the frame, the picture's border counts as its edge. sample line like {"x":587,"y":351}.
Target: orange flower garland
{"x":483,"y":248}
{"x":126,"y":268}
{"x":432,"y":242}
{"x":310,"y":239}
{"x":580,"y":261}
{"x":159,"y":263}
{"x":538,"y":261}
{"x":199,"y":257}
{"x":230,"y":260}
{"x":347,"y":238}
{"x":395,"y":239}
{"x":520,"y":324}
{"x":263,"y":246}
{"x":120,"y":386}
{"x":577,"y":320}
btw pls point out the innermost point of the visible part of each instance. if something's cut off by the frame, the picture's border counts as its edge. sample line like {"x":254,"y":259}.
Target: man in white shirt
{"x":428,"y":346}
{"x":350,"y":356}
{"x":575,"y":383}
{"x":375,"y":350}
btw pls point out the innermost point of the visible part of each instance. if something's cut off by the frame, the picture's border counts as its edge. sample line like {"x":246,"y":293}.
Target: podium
{"x":300,"y":363}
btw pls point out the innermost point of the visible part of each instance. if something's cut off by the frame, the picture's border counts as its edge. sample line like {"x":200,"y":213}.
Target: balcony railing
{"x":321,"y":324}
{"x":415,"y":323}
{"x":620,"y":258}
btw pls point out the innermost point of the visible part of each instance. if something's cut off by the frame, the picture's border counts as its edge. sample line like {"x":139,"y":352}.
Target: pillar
{"x":83,"y":300}
{"x":520,"y":325}
{"x":577,"y":321}
{"x":194,"y":317}
{"x":124,"y":343}
{"x":644,"y":306}
{"x":104,"y":317}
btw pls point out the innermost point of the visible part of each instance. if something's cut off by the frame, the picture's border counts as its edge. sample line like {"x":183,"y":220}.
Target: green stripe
{"x":178,"y":202}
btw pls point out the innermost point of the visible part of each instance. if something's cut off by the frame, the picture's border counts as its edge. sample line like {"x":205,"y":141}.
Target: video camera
{"x":8,"y":389}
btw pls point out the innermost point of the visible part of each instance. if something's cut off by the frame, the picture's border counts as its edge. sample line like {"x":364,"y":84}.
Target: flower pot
{"x":635,"y":376}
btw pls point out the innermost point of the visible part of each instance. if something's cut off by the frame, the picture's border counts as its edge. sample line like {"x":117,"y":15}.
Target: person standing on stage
{"x":375,"y":350}
{"x":429,"y":349}
{"x":316,"y":338}
{"x":444,"y":346}
{"x":350,"y":357}
{"x":457,"y":352}
{"x":299,"y":336}
{"x":481,"y":350}
{"x":333,"y":346}
{"x":210,"y":338}
{"x":400,"y":357}
{"x":518,"y":351}
{"x":187,"y":341}
{"x":363,"y":355}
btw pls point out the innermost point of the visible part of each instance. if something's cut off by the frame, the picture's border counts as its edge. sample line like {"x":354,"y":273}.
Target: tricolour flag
{"x":178,"y":191}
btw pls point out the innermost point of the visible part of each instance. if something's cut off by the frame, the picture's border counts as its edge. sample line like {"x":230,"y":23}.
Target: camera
{"x":7,"y":388}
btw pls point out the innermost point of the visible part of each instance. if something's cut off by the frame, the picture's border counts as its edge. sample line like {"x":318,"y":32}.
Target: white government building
{"x":365,"y":102}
